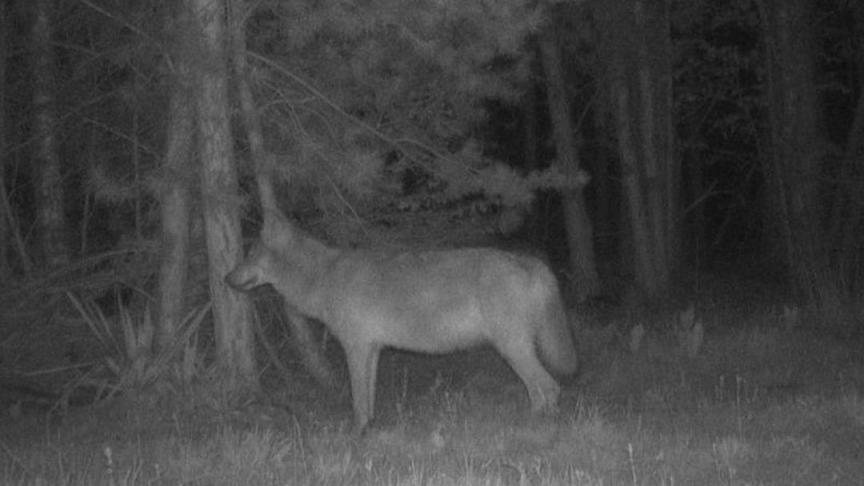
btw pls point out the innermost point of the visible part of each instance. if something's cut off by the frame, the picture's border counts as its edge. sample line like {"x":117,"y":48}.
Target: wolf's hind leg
{"x":363,"y":368}
{"x":543,"y":390}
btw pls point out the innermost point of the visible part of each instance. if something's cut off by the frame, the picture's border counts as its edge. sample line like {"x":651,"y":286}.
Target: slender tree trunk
{"x":10,"y":234}
{"x":580,"y":233}
{"x":135,"y":156}
{"x":175,"y":211}
{"x":606,"y":194}
{"x":302,"y":335}
{"x":51,"y":219}
{"x":232,"y":312}
{"x":664,"y":145}
{"x":530,"y":142}
{"x":630,"y":173}
{"x":847,"y":210}
{"x":661,"y":174}
{"x":796,"y":143}
{"x":178,"y":178}
{"x":695,"y":214}
{"x":5,"y":220}
{"x":652,"y":177}
{"x":636,"y":42}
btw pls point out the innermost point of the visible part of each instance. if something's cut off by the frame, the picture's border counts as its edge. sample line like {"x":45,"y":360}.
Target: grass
{"x":752,"y":401}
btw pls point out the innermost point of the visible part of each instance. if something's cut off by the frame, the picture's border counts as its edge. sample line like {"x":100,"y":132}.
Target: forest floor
{"x":762,"y":397}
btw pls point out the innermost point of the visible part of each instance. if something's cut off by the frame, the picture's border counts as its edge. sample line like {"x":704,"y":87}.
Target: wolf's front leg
{"x":363,"y":368}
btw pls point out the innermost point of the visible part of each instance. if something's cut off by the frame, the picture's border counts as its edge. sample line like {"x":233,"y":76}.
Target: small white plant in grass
{"x":854,"y":406}
{"x":691,"y":332}
{"x":730,"y":454}
{"x":789,"y":319}
{"x":436,"y":438}
{"x":636,"y":335}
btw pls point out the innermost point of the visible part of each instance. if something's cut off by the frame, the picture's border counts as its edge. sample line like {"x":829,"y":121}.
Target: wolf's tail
{"x":554,"y":338}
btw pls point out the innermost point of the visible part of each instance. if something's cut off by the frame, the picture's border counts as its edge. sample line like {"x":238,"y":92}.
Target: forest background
{"x":636,"y":142}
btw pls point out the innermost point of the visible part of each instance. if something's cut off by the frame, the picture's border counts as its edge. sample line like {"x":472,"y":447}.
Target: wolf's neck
{"x":303,"y":283}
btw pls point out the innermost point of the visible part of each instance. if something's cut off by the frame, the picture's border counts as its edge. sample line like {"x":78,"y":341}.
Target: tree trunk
{"x":636,"y":42}
{"x":847,"y":211}
{"x":175,"y":209}
{"x":661,"y":174}
{"x":630,"y":174}
{"x":301,"y":333}
{"x":664,"y":146}
{"x":5,"y":220}
{"x":580,"y":233}
{"x":696,"y":238}
{"x":530,"y":125}
{"x":50,"y":215}
{"x":796,"y":144}
{"x":232,"y":312}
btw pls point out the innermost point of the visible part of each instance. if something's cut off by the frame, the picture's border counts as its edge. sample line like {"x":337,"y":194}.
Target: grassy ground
{"x":759,"y":399}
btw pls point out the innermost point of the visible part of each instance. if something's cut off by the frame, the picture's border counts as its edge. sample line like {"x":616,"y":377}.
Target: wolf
{"x":433,"y":301}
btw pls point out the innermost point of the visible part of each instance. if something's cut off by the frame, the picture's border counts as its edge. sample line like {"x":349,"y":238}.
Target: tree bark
{"x":232,"y":312}
{"x":50,"y":208}
{"x":630,"y":173}
{"x":635,"y":40}
{"x":302,"y":337}
{"x":847,"y":210}
{"x":175,"y":210}
{"x":5,"y":219}
{"x":530,"y":124}
{"x":580,"y":232}
{"x":796,"y":142}
{"x":661,"y":167}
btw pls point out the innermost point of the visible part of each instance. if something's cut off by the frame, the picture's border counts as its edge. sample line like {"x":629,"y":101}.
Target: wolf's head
{"x":255,"y":270}
{"x":284,"y":256}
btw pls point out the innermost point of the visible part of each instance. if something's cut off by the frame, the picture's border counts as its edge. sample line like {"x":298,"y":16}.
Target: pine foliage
{"x":371,"y":108}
